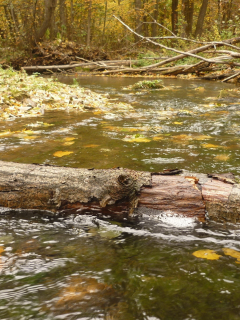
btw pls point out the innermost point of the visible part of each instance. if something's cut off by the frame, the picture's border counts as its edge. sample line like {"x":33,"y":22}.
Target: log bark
{"x":118,"y":192}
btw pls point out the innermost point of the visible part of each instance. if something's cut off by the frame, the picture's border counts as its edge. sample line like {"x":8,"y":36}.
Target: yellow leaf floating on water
{"x":137,"y":139}
{"x":28,"y":131}
{"x":91,"y":146}
{"x":1,"y":263}
{"x":232,"y":253}
{"x":202,"y":137}
{"x":69,"y":139}
{"x":60,"y":154}
{"x":222,"y":157}
{"x":30,"y":137}
{"x":98,"y":112}
{"x":111,"y":128}
{"x":176,"y":122}
{"x":131,"y":129}
{"x":6,"y":133}
{"x":211,"y":146}
{"x":182,"y":138}
{"x":48,"y":124}
{"x":158,"y":138}
{"x":206,"y":254}
{"x":68,"y":143}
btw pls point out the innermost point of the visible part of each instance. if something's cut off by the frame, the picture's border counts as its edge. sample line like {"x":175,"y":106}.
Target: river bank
{"x":23,"y":95}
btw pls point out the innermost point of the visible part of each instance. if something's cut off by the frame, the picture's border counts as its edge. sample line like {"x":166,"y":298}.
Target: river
{"x":82,"y":267}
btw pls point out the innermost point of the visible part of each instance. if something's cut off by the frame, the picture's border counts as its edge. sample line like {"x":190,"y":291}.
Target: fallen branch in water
{"x":118,"y":192}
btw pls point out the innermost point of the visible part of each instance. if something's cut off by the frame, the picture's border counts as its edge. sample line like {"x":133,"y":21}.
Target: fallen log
{"x":89,"y":65}
{"x":118,"y":192}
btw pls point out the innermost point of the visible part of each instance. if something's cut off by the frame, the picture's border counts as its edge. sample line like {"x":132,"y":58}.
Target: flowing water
{"x":82,"y":267}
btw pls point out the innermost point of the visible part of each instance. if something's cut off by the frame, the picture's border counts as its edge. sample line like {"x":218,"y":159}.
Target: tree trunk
{"x":9,"y":21}
{"x":175,"y":16}
{"x":89,"y":23}
{"x":155,"y":16}
{"x":200,"y":21}
{"x":50,"y":6}
{"x":71,"y":20}
{"x":105,"y":19}
{"x":138,"y":21}
{"x":118,"y":192}
{"x":188,"y":7}
{"x":62,"y":15}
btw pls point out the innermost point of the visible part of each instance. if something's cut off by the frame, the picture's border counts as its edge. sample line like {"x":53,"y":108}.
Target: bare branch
{"x":224,"y":60}
{"x":235,"y":75}
{"x":186,"y":39}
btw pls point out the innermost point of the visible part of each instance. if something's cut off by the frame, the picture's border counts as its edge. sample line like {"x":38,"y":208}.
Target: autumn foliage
{"x":91,"y":22}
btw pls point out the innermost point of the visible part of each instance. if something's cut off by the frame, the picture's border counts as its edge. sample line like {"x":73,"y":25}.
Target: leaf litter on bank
{"x":30,"y":96}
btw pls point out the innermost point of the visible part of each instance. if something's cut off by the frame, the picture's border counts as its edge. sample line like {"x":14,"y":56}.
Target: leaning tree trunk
{"x":118,"y":192}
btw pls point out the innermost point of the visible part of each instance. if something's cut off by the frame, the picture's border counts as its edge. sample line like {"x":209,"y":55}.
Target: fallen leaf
{"x":211,"y":146}
{"x":206,"y":254}
{"x":68,"y":143}
{"x":30,"y":137}
{"x":136,"y":139}
{"x":232,"y":253}
{"x":69,"y":139}
{"x":176,"y":122}
{"x":201,"y":137}
{"x":182,"y":137}
{"x":6,"y":133}
{"x":60,"y":154}
{"x":98,"y":112}
{"x":1,"y":262}
{"x":157,"y":138}
{"x":28,"y":131}
{"x":222,"y":157}
{"x":91,"y":146}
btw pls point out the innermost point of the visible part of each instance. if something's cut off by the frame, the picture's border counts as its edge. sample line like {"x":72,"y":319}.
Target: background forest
{"x":91,"y":22}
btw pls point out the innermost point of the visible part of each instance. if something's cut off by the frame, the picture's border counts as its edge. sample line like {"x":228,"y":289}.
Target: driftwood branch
{"x":235,"y":75}
{"x":118,"y":192}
